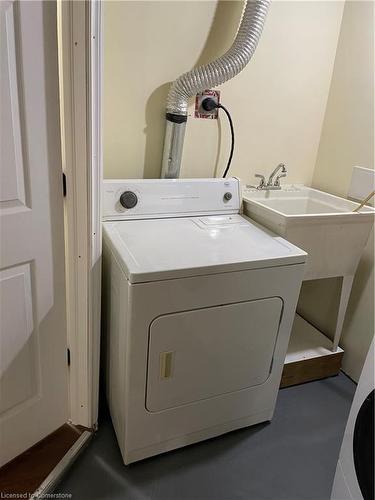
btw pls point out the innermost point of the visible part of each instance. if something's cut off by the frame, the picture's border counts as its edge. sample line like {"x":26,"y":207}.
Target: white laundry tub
{"x":320,"y":223}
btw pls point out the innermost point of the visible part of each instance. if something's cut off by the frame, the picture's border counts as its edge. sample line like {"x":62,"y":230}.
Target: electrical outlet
{"x":202,"y":113}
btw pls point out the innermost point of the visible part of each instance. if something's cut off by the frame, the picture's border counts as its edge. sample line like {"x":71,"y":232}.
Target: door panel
{"x":12,"y":188}
{"x":199,"y":354}
{"x":33,"y":367}
{"x":19,"y":351}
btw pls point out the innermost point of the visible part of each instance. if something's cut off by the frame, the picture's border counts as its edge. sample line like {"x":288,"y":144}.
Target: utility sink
{"x":320,"y":223}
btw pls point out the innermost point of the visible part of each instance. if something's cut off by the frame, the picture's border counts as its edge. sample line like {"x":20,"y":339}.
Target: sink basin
{"x":320,"y":223}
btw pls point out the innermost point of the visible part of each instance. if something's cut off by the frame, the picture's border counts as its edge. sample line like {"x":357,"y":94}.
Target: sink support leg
{"x":346,"y":287}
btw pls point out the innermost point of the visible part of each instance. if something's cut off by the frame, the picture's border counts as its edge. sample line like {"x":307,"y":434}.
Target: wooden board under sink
{"x":310,"y":356}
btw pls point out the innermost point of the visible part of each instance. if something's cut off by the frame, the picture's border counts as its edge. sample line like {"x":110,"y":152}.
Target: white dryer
{"x":199,"y":302}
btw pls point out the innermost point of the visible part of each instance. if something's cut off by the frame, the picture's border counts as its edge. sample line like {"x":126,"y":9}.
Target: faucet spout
{"x":280,"y":166}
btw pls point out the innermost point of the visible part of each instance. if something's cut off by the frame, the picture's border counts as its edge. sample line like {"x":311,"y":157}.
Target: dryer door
{"x":199,"y":354}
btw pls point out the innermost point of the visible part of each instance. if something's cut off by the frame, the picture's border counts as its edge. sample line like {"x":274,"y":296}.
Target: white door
{"x":33,"y":361}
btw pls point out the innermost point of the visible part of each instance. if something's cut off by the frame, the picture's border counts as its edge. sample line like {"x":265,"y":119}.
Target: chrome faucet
{"x":276,"y":184}
{"x":271,"y":184}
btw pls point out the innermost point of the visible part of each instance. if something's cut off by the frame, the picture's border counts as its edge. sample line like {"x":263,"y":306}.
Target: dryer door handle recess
{"x":166,"y":362}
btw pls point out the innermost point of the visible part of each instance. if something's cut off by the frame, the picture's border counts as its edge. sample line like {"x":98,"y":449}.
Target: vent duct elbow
{"x":208,"y":76}
{"x":225,"y":67}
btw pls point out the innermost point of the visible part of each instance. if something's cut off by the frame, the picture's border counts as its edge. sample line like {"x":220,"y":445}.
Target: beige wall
{"x":348,"y":139}
{"x":277,"y":102}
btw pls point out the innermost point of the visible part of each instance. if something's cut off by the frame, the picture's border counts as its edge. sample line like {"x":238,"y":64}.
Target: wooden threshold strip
{"x":25,"y":473}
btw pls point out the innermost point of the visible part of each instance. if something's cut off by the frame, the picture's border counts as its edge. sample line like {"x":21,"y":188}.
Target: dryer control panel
{"x":159,"y":198}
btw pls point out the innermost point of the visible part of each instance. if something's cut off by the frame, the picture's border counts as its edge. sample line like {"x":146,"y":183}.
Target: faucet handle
{"x":277,"y":180}
{"x":262,"y":181}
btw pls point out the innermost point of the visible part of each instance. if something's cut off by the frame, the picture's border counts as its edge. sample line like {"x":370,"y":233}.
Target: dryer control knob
{"x":227,"y":196}
{"x":128,"y":199}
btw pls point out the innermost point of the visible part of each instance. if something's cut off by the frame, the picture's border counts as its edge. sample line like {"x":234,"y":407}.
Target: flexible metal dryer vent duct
{"x":205,"y":77}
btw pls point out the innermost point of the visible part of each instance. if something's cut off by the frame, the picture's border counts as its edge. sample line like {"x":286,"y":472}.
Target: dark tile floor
{"x":292,"y":458}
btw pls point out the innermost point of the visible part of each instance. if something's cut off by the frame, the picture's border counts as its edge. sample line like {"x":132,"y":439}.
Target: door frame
{"x":80,"y":66}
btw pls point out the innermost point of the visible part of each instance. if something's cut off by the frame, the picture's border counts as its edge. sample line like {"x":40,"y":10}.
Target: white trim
{"x":80,"y":91}
{"x":96,"y":58}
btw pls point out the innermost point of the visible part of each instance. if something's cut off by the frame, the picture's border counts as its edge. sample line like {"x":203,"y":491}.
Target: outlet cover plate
{"x":199,"y":111}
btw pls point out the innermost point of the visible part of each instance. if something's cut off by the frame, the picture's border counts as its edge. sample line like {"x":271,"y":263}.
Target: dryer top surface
{"x":158,"y":249}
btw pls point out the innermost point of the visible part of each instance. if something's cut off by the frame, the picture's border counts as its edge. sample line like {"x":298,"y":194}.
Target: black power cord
{"x":210,"y":104}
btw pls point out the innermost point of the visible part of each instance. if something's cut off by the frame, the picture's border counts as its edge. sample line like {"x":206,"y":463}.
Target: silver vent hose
{"x":205,"y":77}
